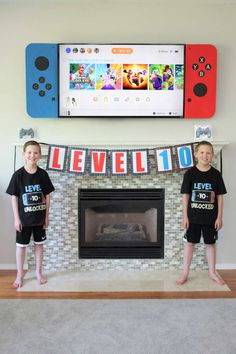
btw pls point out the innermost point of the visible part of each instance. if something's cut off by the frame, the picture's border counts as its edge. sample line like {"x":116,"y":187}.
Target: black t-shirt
{"x":203,"y":188}
{"x":31,"y":190}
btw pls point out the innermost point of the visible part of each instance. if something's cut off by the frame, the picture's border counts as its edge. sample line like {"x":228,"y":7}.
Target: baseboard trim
{"x":9,"y":266}
{"x":226,"y":266}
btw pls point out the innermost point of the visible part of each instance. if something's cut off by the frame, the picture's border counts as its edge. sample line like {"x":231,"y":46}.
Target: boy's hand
{"x":218,"y":224}
{"x":18,"y":225}
{"x":46,"y":223}
{"x":185,"y":223}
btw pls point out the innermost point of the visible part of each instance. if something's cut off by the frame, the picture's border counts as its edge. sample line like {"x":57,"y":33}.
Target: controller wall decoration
{"x":42,"y":80}
{"x":203,"y":132}
{"x":121,"y":80}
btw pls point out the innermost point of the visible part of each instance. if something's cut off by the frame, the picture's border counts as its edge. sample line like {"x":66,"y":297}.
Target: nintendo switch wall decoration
{"x":121,"y":80}
{"x":42,"y":80}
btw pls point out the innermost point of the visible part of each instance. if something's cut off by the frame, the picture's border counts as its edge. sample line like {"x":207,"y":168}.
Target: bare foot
{"x":182,"y":280}
{"x":41,"y":279}
{"x":18,"y":283}
{"x":217,"y":278}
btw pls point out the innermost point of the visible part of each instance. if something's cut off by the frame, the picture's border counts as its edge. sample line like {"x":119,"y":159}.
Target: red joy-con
{"x":200,"y":81}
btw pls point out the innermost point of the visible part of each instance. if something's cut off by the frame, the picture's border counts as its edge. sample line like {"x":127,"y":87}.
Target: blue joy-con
{"x":42,"y":80}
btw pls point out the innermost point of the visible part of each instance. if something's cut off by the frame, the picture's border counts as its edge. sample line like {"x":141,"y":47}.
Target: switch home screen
{"x":121,"y":80}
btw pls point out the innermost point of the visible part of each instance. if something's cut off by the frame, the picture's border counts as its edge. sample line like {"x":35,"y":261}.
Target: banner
{"x":119,"y":162}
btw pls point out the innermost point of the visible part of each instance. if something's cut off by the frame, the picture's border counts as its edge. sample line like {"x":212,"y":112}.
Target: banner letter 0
{"x":164,"y":159}
{"x":185,"y":156}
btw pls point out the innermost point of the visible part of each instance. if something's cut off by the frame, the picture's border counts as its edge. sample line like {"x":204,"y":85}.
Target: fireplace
{"x":121,"y":223}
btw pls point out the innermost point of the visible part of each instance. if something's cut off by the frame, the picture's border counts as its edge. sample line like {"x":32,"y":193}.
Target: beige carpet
{"x":110,"y":281}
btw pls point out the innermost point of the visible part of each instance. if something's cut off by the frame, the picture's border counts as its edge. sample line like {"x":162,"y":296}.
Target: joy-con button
{"x":201,"y":60}
{"x":41,"y":79}
{"x":41,"y":63}
{"x":208,"y":66}
{"x":41,"y":93}
{"x":201,"y":73}
{"x":48,"y":86}
{"x":35,"y":86}
{"x":200,"y":90}
{"x":195,"y":66}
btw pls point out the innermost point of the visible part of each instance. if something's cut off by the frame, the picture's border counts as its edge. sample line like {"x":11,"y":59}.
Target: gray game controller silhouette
{"x":203,"y":131}
{"x":24,"y":132}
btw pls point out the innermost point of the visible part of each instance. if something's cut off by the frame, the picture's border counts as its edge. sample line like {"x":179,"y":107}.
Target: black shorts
{"x":195,"y":231}
{"x":23,"y":237}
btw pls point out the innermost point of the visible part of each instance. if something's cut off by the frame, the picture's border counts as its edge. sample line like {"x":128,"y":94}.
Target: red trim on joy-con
{"x":200,"y":80}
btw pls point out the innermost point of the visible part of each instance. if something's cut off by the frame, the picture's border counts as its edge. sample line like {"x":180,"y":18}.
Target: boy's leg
{"x":188,"y":254}
{"x":39,"y":261}
{"x":211,"y":258}
{"x":22,"y":241}
{"x":20,"y":260}
{"x":39,"y":239}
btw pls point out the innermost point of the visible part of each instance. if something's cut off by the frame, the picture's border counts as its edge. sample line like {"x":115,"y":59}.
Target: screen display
{"x":121,"y":80}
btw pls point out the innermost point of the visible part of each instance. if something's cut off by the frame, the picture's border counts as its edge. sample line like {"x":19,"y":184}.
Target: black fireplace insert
{"x":121,"y":223}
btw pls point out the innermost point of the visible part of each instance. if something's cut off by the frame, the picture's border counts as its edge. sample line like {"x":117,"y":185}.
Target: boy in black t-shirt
{"x":202,"y":189}
{"x":30,"y":188}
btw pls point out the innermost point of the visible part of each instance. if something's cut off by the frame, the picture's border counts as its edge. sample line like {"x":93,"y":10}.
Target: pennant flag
{"x":56,"y":157}
{"x":184,"y":156}
{"x":119,"y":162}
{"x":164,"y":161}
{"x":77,"y":160}
{"x":98,"y":162}
{"x":140,"y":163}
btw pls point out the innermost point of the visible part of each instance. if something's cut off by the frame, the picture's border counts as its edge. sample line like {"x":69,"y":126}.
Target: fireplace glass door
{"x":120,"y":223}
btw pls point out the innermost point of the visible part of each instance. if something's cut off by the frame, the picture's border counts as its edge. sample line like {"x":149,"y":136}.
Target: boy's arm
{"x":17,"y":222}
{"x":47,"y":202}
{"x":218,"y":222}
{"x":185,"y":211}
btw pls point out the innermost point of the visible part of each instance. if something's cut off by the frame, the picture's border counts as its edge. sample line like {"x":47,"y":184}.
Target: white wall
{"x":144,"y":21}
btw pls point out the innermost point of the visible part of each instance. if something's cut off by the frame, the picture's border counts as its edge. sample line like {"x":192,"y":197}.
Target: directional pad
{"x":41,"y":87}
